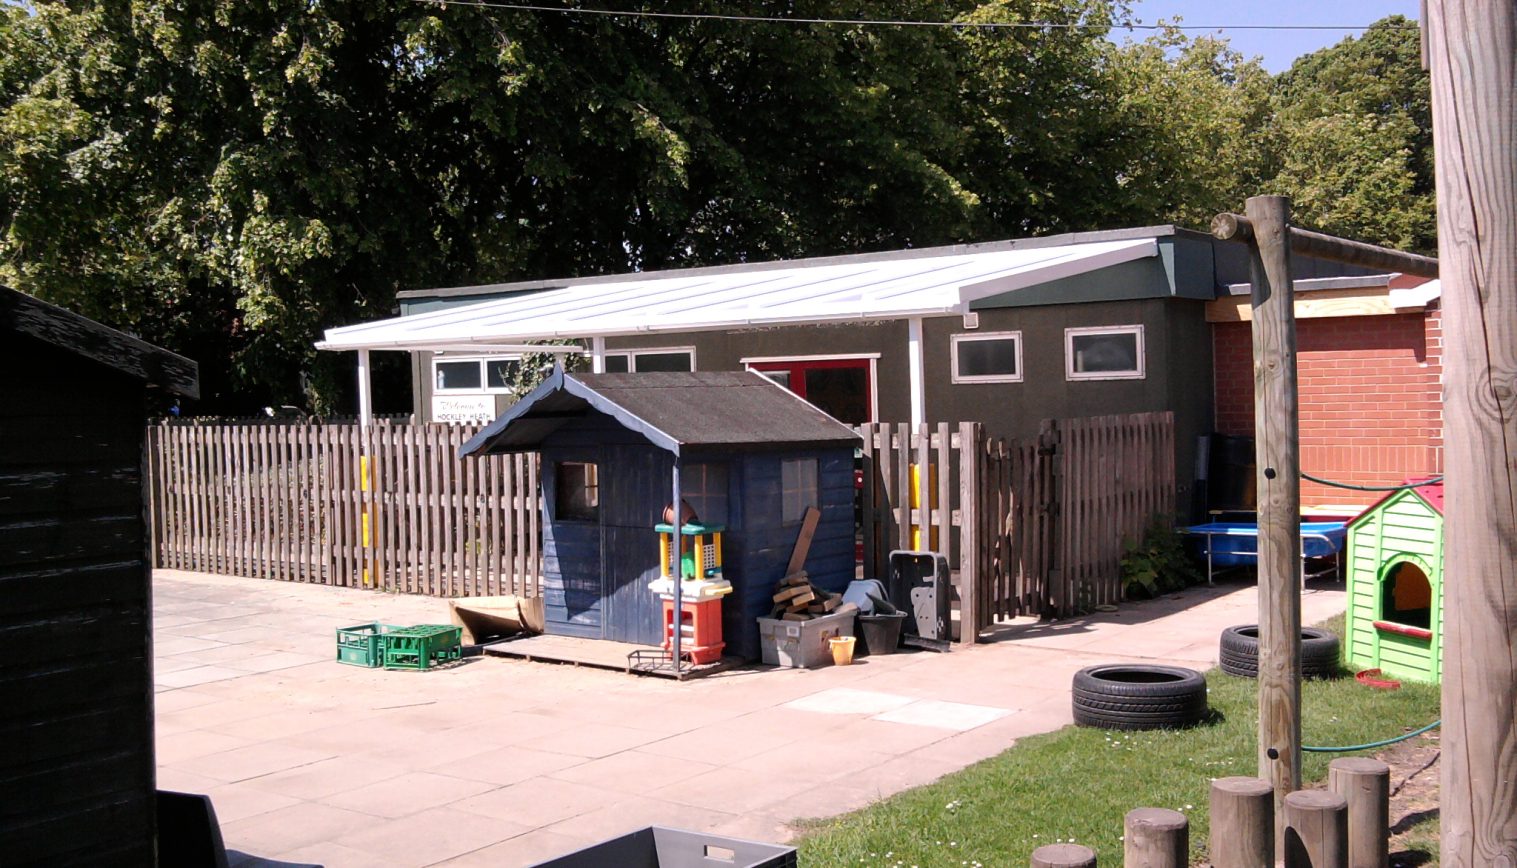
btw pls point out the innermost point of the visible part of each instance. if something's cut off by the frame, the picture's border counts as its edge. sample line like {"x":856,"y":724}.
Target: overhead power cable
{"x":885,"y":22}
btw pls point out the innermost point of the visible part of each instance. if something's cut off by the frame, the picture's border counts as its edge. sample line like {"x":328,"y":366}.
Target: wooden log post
{"x":1155,"y":838}
{"x":1276,"y":433}
{"x":1242,"y":823}
{"x":1366,"y":785}
{"x":1063,"y":856}
{"x":1472,"y":57}
{"x":1316,"y":830}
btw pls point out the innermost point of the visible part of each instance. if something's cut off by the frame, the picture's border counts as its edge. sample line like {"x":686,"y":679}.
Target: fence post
{"x":1063,"y":856}
{"x":1050,"y":601}
{"x":1155,"y":838}
{"x":1242,"y":823}
{"x":1366,"y":784}
{"x":1316,"y":830}
{"x":971,"y":456}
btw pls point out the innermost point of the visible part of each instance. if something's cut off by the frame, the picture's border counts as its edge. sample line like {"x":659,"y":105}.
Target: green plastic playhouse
{"x":1395,"y":585}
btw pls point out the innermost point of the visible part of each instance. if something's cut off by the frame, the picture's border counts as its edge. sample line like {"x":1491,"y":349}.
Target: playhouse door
{"x":573,"y":576}
{"x":637,"y":487}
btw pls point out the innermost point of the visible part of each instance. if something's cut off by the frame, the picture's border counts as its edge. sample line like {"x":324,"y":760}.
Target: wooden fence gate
{"x":393,"y":507}
{"x":1044,"y":520}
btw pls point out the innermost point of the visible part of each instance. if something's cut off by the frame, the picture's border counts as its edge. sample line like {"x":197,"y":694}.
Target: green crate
{"x":359,"y":645}
{"x":421,"y":646}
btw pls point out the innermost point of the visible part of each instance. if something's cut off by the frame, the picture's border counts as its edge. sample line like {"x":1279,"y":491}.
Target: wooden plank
{"x":902,"y":492}
{"x":971,"y":608}
{"x":803,"y":541}
{"x":458,"y":509}
{"x":411,"y":448}
{"x":945,"y":466}
{"x":534,"y":515}
{"x":866,"y":498}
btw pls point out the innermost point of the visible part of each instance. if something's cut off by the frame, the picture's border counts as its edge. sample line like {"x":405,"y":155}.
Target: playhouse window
{"x":993,"y":357}
{"x":1104,"y":353}
{"x":578,"y":491}
{"x":798,"y":481}
{"x":1406,"y":596}
{"x":704,"y":487}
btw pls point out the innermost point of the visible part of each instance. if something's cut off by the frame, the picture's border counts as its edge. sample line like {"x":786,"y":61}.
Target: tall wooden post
{"x":1472,"y":56}
{"x":1276,"y":435}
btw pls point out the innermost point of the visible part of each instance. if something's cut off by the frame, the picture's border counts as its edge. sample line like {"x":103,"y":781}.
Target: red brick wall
{"x":1369,"y":389}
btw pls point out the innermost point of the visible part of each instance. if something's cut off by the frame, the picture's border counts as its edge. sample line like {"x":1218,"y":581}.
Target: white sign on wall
{"x":463,"y":408}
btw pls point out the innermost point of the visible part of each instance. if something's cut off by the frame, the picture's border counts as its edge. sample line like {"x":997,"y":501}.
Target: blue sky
{"x":1277,"y":47}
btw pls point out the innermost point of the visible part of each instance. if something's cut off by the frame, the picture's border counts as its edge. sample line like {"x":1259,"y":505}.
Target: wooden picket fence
{"x":301,"y":502}
{"x":1044,"y":520}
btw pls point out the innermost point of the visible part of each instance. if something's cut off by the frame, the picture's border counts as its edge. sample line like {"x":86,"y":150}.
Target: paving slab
{"x":501,"y":762}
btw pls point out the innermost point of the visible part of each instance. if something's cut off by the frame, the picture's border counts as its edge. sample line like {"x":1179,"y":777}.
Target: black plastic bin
{"x":658,"y":847}
{"x":879,"y":634}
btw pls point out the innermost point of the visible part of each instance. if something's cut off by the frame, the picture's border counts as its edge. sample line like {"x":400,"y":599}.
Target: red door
{"x":841,"y":388}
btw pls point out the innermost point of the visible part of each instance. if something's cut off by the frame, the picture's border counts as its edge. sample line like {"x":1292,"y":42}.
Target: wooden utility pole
{"x":1278,"y":483}
{"x":1472,"y":56}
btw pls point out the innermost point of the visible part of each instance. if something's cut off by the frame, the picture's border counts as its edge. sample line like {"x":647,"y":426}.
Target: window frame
{"x":815,"y":488}
{"x":559,"y":491}
{"x":1135,"y":329}
{"x":953,"y":348}
{"x":632,"y":355}
{"x":484,"y":373}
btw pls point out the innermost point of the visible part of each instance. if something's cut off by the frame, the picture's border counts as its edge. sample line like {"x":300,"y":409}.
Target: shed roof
{"x":27,"y":315}
{"x":675,"y":411}
{"x":840,"y":290}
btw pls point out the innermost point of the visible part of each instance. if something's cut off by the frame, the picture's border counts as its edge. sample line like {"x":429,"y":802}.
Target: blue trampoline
{"x":1227,"y":544}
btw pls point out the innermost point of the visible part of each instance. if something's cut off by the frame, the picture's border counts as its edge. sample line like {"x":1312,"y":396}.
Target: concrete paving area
{"x":499,"y":762}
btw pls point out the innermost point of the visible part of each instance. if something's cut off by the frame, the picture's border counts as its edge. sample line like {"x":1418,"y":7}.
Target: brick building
{"x":1370,"y":367}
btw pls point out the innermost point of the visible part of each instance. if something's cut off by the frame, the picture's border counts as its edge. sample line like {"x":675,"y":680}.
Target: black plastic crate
{"x":658,"y":847}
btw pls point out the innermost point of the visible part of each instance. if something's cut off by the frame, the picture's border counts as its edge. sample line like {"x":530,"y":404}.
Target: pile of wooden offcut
{"x":796,"y":599}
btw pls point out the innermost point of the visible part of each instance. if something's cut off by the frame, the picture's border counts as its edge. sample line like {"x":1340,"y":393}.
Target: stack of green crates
{"x":394,"y":647}
{"x":420,"y":646}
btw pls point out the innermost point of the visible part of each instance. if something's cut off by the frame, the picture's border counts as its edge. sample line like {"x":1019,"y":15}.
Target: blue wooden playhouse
{"x":742,"y":451}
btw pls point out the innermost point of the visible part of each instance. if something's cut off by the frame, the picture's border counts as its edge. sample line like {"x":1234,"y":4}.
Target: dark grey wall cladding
{"x":76,"y":686}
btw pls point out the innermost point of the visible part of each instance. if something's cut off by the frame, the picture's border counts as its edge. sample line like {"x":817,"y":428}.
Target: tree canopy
{"x":228,"y":178}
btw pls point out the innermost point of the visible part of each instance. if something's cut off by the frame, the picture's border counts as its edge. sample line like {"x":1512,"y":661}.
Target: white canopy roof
{"x":717,"y":299}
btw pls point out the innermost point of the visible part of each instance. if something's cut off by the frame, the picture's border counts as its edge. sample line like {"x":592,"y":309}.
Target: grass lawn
{"x":1077,"y":784}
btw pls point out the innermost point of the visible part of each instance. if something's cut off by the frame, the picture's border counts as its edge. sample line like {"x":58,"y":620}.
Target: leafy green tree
{"x":1354,"y":124}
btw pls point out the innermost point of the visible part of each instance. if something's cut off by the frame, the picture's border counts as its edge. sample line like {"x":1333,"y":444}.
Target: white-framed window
{"x":988,"y":357}
{"x":798,"y":482}
{"x":1104,"y":353}
{"x":654,"y":359}
{"x":487,"y":374}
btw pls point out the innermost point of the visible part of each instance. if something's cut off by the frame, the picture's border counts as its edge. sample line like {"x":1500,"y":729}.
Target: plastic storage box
{"x":359,"y":645}
{"x":658,"y":847}
{"x":421,"y":646}
{"x":801,"y":644}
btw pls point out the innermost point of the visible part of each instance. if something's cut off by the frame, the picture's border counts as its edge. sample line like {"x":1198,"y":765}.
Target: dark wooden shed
{"x":77,"y":772}
{"x":750,"y":455}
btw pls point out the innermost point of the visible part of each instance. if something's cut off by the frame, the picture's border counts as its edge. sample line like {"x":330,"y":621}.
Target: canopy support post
{"x":914,"y":365}
{"x":365,"y":391}
{"x":597,"y":355}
